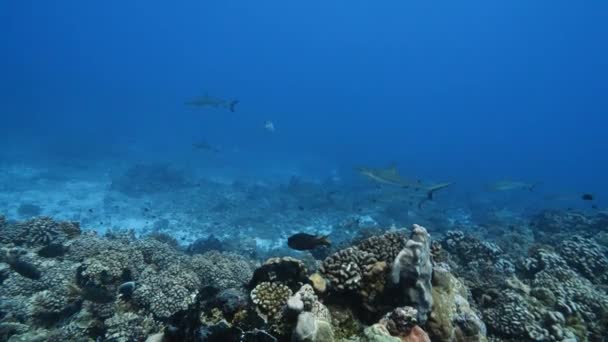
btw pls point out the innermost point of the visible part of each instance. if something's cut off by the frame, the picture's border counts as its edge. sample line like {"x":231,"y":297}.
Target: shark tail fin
{"x":532,"y":187}
{"x":431,"y":191}
{"x":324,"y":240}
{"x":232,"y":105}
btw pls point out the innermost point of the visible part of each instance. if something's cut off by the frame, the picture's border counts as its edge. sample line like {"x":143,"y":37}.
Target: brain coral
{"x":345,"y":268}
{"x":270,"y":298}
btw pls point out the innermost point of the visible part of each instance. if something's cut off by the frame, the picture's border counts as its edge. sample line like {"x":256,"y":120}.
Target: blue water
{"x":469,"y":91}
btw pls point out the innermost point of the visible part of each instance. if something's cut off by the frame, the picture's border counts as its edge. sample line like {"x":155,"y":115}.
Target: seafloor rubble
{"x":61,"y":284}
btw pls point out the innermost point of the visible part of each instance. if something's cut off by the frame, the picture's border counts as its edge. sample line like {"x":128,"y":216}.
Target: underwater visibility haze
{"x":304,"y":171}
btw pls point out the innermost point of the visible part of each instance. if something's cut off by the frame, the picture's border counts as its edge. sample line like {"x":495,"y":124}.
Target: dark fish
{"x":587,"y":197}
{"x":25,"y":269}
{"x":125,"y":291}
{"x":304,"y":242}
{"x":52,"y":250}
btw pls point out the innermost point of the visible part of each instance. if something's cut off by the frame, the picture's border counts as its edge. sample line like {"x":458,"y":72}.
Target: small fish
{"x":209,"y":101}
{"x":587,"y":197}
{"x":304,"y":242}
{"x":25,"y":269}
{"x":269,"y":126}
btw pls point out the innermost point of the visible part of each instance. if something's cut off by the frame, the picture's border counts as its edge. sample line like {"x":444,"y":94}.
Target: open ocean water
{"x":303,"y":171}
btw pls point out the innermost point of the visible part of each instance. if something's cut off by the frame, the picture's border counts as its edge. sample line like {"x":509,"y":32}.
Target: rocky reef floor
{"x":543,"y":282}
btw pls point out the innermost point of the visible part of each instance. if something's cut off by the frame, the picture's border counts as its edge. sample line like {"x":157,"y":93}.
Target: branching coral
{"x":42,"y":231}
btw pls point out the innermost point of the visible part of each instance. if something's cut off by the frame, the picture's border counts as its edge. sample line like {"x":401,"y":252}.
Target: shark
{"x":390,"y":176}
{"x":508,"y":185}
{"x":210,"y":101}
{"x":204,"y":146}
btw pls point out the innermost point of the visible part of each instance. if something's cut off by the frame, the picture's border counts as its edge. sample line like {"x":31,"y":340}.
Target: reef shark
{"x":209,"y":101}
{"x":508,"y":185}
{"x":391,"y":176}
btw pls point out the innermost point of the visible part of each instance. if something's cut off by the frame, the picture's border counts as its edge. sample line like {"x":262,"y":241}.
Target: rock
{"x":378,"y":333}
{"x":156,"y":338}
{"x":400,"y":321}
{"x":311,"y":329}
{"x":452,"y":318}
{"x":295,"y":303}
{"x":416,"y":335}
{"x":412,"y":272}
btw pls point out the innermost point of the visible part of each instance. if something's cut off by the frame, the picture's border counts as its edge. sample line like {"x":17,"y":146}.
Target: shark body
{"x":215,"y":102}
{"x":508,"y":185}
{"x":391,"y":176}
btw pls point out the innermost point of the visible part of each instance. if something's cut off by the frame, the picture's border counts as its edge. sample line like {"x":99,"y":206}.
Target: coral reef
{"x":39,"y":231}
{"x":553,"y":294}
{"x":586,"y":257}
{"x":129,"y":326}
{"x":58,"y":284}
{"x":552,"y":226}
{"x":167,"y":292}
